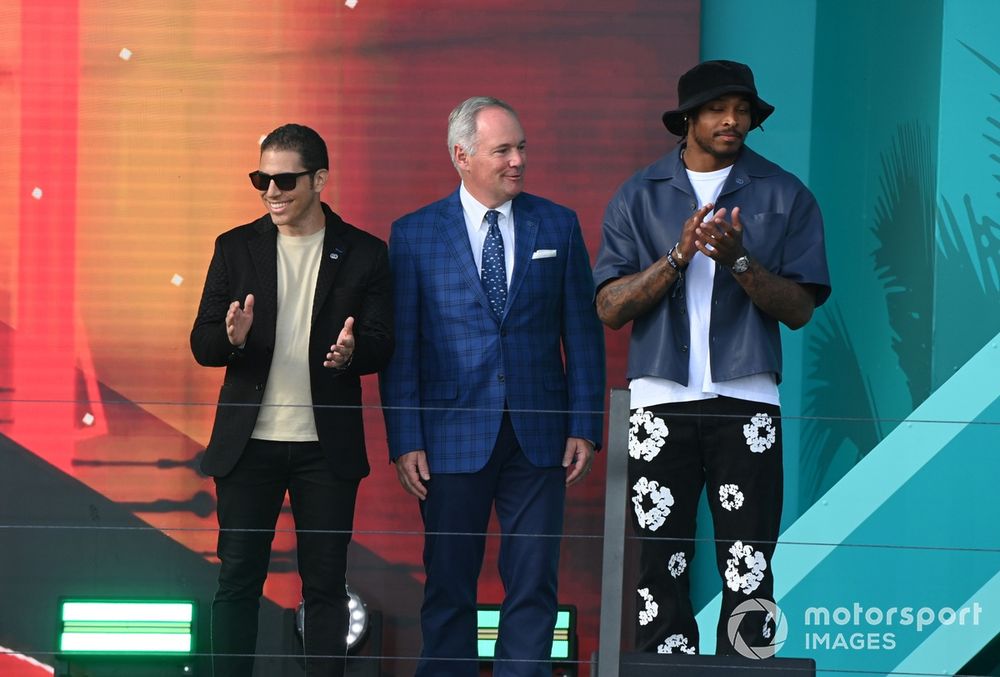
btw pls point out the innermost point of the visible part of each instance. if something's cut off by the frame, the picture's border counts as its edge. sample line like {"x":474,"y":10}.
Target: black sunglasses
{"x":262,"y":181}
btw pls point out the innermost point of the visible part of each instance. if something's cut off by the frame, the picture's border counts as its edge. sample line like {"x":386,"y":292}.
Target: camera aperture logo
{"x":767,"y":639}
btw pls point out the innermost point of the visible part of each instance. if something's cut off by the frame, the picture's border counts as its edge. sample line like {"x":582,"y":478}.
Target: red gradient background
{"x":140,"y":162}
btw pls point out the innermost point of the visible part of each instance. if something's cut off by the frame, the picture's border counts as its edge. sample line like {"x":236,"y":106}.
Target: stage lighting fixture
{"x":563,"y":637}
{"x":357,"y":623}
{"x":103,"y":627}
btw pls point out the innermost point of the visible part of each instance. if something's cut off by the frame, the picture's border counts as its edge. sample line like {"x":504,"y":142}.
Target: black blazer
{"x":353,"y":281}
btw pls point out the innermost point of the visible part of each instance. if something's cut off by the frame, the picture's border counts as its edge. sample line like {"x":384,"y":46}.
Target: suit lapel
{"x":335,"y":249}
{"x":264,"y":254}
{"x":451,"y":224}
{"x":525,"y":232}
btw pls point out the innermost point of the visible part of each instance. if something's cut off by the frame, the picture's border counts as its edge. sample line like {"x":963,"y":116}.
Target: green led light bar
{"x":563,"y":636}
{"x":126,"y":627}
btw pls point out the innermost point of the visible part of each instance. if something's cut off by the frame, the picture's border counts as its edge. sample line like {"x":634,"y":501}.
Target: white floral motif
{"x":662,"y":499}
{"x":678,"y":642}
{"x":730,"y":491}
{"x":757,"y":442}
{"x":655,"y":431}
{"x":755,"y":562}
{"x":647,"y":615}
{"x":677,"y":564}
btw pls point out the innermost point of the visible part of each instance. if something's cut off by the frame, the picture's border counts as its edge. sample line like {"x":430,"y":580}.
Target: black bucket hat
{"x":709,"y":80}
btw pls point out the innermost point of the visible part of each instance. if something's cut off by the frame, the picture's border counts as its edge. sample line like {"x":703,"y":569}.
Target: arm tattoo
{"x":785,"y":300}
{"x":626,"y":298}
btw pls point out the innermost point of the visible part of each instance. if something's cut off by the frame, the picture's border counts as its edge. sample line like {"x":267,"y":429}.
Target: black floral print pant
{"x":733,"y":448}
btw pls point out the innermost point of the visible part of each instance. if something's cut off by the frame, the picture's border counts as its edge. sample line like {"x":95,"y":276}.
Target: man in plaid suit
{"x":493,"y":289}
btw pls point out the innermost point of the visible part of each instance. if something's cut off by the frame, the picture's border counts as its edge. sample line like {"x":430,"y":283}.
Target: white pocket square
{"x":543,"y":254}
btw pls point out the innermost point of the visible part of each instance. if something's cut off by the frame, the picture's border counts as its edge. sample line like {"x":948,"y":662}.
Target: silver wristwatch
{"x":741,"y":265}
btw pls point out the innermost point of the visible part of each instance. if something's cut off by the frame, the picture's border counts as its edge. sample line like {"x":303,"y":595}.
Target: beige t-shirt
{"x":286,"y":413}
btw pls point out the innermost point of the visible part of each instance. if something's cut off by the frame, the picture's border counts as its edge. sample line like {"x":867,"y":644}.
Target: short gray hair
{"x":462,"y":123}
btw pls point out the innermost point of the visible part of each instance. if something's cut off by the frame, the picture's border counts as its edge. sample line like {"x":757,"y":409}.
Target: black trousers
{"x":249,"y":501}
{"x":732,"y":447}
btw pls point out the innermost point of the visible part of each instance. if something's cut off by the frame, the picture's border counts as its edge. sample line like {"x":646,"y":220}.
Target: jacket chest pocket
{"x":545,"y":280}
{"x":764,"y":237}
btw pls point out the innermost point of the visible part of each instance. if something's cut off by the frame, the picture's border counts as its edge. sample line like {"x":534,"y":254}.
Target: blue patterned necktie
{"x":494,"y":266}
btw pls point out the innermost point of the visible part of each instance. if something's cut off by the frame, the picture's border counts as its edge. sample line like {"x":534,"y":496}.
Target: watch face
{"x":741,"y":265}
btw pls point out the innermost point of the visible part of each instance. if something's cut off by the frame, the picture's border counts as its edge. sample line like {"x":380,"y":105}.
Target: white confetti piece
{"x":351,"y":4}
{"x":176,"y":280}
{"x":88,"y":419}
{"x":125,"y":54}
{"x":37,"y":193}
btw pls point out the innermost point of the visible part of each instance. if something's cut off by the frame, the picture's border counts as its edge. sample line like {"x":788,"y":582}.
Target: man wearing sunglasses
{"x":296,"y":306}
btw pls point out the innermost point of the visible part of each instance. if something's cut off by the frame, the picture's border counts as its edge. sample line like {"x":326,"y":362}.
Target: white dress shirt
{"x":475,"y":223}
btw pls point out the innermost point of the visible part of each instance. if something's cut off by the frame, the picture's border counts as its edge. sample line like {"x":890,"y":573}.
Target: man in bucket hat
{"x":705,"y":251}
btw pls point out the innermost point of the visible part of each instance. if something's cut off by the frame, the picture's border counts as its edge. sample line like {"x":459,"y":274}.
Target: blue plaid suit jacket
{"x":456,"y":363}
